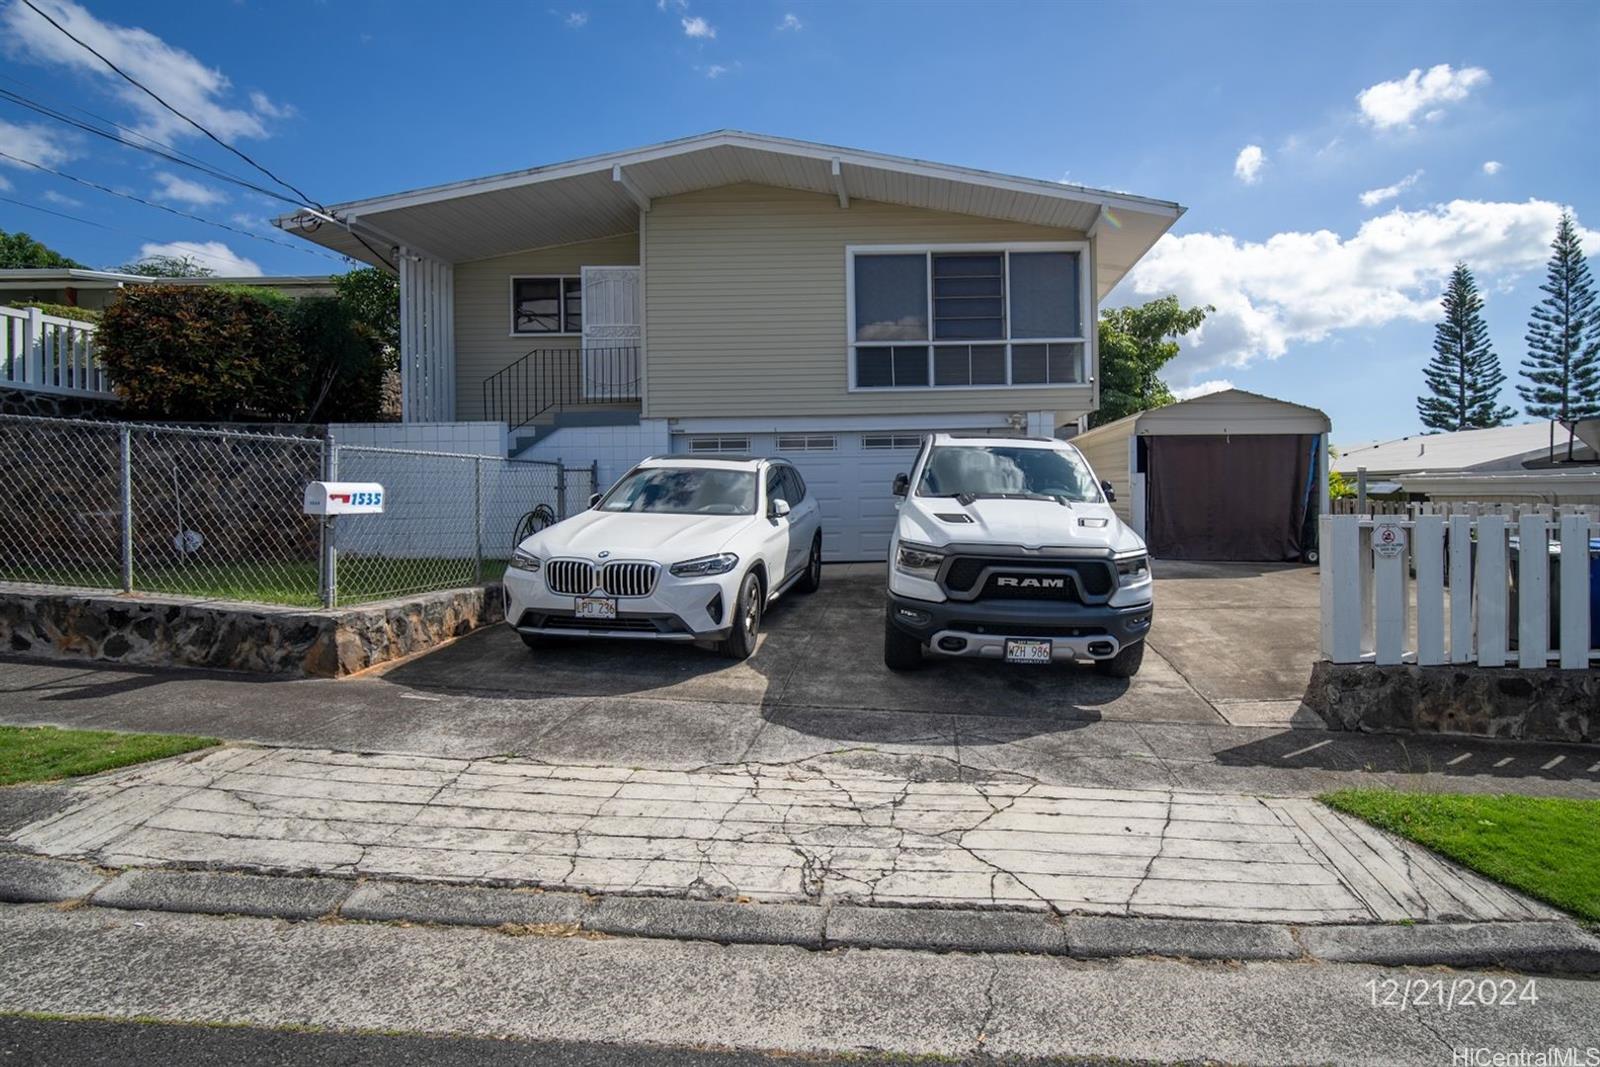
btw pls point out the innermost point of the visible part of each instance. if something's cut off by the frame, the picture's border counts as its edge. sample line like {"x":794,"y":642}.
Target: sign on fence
{"x":1484,"y":590}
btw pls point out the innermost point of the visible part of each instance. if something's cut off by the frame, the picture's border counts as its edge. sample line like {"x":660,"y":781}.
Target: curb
{"x":1546,"y":947}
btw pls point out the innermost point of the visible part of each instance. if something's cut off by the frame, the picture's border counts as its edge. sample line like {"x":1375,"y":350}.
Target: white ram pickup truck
{"x":1007,"y":548}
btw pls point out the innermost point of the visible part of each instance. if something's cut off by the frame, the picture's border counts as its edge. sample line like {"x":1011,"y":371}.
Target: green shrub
{"x":229,"y":353}
{"x":63,"y":311}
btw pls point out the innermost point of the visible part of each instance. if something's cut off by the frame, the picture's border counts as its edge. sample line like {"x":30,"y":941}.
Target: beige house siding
{"x":484,"y":342}
{"x":745,"y":305}
{"x":1106,"y":449}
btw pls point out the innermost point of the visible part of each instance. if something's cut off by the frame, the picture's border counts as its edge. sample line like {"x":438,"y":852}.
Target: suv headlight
{"x":1134,"y":568}
{"x":721,"y":563}
{"x":920,"y":561}
{"x":523,"y":560}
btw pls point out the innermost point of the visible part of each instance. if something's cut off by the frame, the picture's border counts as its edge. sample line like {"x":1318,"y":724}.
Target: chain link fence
{"x":218,"y":513}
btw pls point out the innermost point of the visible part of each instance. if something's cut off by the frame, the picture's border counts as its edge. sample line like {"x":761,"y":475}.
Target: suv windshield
{"x":998,"y":470}
{"x":684,"y":491}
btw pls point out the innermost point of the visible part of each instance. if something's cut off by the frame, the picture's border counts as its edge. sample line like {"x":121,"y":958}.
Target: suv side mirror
{"x":1111,"y":494}
{"x":594,"y":498}
{"x":779,"y":508}
{"x":902,"y":484}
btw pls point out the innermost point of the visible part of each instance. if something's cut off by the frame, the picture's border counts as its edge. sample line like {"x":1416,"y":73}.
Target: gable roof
{"x":601,"y":196}
{"x":1226,"y":411}
{"x":1502,"y":447}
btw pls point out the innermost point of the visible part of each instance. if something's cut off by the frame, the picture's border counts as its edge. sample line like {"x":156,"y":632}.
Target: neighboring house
{"x":1524,"y":464}
{"x":94,"y":289}
{"x":1503,"y":448}
{"x":733,"y":292}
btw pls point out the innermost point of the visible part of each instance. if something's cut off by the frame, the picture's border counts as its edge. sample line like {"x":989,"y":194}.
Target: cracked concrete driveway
{"x":1232,"y":644}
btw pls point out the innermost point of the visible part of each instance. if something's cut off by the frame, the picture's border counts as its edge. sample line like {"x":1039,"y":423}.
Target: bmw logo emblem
{"x":604,"y":554}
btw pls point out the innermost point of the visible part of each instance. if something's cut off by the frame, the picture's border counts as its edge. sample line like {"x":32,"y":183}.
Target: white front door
{"x":612,"y":332}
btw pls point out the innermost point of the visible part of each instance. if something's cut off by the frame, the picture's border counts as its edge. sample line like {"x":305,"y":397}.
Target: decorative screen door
{"x":611,"y":333}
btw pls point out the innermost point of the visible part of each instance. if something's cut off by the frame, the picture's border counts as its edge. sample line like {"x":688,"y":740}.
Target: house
{"x":1230,"y":475}
{"x":94,"y":289}
{"x":1502,"y":448}
{"x":734,"y":292}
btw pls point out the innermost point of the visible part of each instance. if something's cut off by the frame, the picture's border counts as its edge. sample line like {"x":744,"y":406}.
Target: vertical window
{"x":969,"y":297}
{"x":1044,"y":295}
{"x":892,"y":298}
{"x":546,"y":305}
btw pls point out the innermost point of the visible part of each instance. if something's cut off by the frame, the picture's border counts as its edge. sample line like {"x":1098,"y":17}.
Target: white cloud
{"x":41,"y":144}
{"x":214,"y":254}
{"x":177,"y":76}
{"x":1300,"y":287}
{"x":1377,"y":196}
{"x":695,"y":26}
{"x":62,"y":199}
{"x":1396,"y":103}
{"x":1492,"y":167}
{"x":183,"y":191}
{"x":1247,"y":165}
{"x":791,"y":21}
{"x":577,"y":20}
{"x":5,"y":186}
{"x":1210,"y":385}
{"x":716,"y":70}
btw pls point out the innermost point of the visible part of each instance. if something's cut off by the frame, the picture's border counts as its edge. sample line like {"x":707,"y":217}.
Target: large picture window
{"x":546,"y":305}
{"x":967,"y":317}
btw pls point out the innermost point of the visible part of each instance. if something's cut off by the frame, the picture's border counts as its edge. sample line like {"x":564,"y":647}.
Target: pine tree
{"x":1563,"y":364}
{"x":1464,"y":375}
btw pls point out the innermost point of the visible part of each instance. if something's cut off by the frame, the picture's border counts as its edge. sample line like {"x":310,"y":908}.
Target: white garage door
{"x":851,"y":474}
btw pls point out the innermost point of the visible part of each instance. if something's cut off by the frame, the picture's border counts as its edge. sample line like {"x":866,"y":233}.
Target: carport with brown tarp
{"x":1227,"y":498}
{"x":1226,"y":476}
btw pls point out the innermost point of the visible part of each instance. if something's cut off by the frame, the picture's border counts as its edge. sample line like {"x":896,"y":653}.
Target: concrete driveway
{"x":1232,"y":643}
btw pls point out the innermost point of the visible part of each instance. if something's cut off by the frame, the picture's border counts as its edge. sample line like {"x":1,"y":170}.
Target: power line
{"x":161,"y":207}
{"x":152,"y":95}
{"x":204,"y":168}
{"x":73,"y":218}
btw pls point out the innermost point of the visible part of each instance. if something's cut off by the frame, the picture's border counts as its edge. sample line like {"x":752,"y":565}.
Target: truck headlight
{"x":920,"y":561}
{"x":721,"y":563}
{"x":1134,"y":568}
{"x":523,"y":560}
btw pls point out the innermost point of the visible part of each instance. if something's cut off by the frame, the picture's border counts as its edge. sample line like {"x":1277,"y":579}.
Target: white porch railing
{"x":1481,"y":592}
{"x":45,"y":354}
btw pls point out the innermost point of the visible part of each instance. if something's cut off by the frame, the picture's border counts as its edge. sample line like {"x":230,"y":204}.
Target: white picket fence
{"x":1462,"y":590}
{"x":45,"y":354}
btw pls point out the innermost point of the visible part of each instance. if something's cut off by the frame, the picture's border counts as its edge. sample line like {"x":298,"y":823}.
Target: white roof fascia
{"x":729,"y":138}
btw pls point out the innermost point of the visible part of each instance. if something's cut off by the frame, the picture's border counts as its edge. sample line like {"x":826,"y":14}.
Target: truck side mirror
{"x":1111,"y":494}
{"x":902,"y":484}
{"x":594,"y":498}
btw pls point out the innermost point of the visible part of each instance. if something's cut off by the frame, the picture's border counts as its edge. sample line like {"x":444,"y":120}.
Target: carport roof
{"x":1227,"y":411}
{"x":602,"y":196}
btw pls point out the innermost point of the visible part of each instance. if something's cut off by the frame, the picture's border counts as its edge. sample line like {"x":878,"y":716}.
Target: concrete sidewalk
{"x":637,"y":992}
{"x":804,"y":832}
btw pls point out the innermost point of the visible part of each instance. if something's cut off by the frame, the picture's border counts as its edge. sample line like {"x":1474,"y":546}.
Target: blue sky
{"x":1465,"y":125}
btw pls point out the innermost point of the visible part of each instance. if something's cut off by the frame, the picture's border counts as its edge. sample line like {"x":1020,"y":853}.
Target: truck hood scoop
{"x":946,"y":516}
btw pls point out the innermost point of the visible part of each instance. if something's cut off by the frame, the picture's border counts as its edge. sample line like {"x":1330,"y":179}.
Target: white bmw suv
{"x":681,"y":549}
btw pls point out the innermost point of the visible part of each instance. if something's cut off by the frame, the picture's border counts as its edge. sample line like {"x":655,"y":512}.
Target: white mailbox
{"x":343,"y":498}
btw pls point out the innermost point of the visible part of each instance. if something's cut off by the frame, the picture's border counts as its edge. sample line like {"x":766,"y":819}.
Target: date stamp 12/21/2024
{"x":1452,"y":993}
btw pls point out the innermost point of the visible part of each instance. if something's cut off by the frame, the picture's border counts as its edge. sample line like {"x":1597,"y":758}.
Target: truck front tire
{"x":1125,"y":664}
{"x":901,"y":651}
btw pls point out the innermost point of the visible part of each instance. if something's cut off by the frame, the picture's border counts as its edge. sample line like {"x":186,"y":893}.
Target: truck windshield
{"x":996,"y":470}
{"x":684,"y":491}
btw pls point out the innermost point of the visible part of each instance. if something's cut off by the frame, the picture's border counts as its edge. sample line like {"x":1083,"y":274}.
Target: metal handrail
{"x":547,"y":379}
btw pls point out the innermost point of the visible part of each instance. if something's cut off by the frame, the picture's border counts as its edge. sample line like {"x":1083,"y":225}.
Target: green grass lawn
{"x":361,"y":578}
{"x":44,"y":753}
{"x":1547,"y":847}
